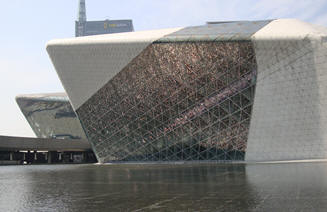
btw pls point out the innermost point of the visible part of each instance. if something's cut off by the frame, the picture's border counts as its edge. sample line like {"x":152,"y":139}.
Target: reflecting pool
{"x":178,"y":187}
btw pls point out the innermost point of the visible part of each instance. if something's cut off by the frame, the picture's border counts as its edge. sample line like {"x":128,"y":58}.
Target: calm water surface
{"x":201,"y":187}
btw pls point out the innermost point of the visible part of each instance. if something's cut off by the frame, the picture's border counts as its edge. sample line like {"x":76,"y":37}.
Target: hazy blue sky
{"x":26,"y":26}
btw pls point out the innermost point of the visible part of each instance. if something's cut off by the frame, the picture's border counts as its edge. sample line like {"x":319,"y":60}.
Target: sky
{"x":26,"y":26}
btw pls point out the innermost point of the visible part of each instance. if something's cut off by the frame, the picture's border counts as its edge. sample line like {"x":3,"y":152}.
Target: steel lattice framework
{"x":176,"y":101}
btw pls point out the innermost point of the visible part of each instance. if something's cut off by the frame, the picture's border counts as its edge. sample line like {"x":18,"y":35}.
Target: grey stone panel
{"x":239,"y":30}
{"x":175,"y":101}
{"x":51,"y":116}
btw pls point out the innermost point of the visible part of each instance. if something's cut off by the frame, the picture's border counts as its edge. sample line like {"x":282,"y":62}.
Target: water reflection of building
{"x":188,"y":93}
{"x":288,"y":186}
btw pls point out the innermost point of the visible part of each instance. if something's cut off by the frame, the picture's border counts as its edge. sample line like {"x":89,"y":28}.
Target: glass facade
{"x":175,"y":101}
{"x":51,"y":116}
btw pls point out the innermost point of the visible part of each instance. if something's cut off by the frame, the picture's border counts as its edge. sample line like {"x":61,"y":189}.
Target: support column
{"x":35,"y":155}
{"x":29,"y":158}
{"x":11,"y":156}
{"x":49,"y":157}
{"x":84,"y":157}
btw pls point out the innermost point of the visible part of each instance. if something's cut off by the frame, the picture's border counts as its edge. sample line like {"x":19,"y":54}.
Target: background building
{"x":51,"y":116}
{"x":60,"y":136}
{"x":85,"y":28}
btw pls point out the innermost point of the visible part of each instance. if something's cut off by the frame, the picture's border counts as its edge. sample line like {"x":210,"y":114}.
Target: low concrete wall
{"x":8,"y":143}
{"x":10,"y":162}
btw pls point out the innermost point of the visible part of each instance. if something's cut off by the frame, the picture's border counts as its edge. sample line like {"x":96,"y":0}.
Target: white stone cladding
{"x":85,"y":64}
{"x":289,"y":117}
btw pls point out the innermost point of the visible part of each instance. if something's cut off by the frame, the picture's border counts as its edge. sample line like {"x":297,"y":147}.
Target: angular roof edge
{"x":125,"y":37}
{"x":287,"y":29}
{"x":43,"y":97}
{"x":219,"y":31}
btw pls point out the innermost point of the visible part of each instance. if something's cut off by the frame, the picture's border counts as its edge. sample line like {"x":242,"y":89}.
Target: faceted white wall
{"x":289,"y":117}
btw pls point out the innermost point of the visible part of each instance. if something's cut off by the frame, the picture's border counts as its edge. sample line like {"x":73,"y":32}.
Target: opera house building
{"x":245,"y":90}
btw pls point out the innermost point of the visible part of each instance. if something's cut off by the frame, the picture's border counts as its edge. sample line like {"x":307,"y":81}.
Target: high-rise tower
{"x":81,"y":11}
{"x":85,"y":28}
{"x":80,"y":23}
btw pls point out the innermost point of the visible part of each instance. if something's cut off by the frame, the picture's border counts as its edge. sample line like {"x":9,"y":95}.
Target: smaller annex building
{"x":60,"y":137}
{"x":51,"y":116}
